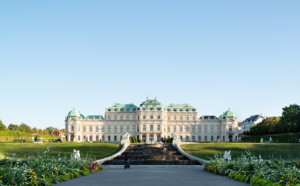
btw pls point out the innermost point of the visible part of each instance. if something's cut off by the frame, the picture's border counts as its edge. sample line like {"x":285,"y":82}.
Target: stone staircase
{"x":152,"y":154}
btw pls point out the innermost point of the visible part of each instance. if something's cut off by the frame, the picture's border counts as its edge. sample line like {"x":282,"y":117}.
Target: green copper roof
{"x":227,"y":114}
{"x":73,"y":113}
{"x":180,"y":107}
{"x":151,"y":103}
{"x":94,"y":116}
{"x":122,"y":107}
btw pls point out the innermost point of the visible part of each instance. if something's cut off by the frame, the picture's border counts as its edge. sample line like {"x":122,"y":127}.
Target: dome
{"x":74,"y":113}
{"x":227,"y":114}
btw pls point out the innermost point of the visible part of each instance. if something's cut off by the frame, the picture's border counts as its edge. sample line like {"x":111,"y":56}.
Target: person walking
{"x":126,"y":162}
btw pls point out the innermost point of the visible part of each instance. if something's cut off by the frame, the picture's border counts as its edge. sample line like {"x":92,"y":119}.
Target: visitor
{"x":126,"y":162}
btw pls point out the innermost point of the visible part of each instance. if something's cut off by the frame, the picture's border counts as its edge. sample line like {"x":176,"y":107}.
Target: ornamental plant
{"x":257,"y":171}
{"x":42,"y":170}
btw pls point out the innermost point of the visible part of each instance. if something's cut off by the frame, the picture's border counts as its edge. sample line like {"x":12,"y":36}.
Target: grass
{"x":94,"y":150}
{"x":266,"y":150}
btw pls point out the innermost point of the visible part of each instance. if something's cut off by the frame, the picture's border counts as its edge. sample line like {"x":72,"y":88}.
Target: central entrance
{"x":151,"y":137}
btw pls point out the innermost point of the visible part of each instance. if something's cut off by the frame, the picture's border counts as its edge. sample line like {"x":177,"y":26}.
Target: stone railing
{"x":177,"y":142}
{"x":125,"y":142}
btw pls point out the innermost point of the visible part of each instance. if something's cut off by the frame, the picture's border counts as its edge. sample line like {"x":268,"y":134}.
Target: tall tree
{"x":24,"y":128}
{"x":2,"y":126}
{"x":291,"y":118}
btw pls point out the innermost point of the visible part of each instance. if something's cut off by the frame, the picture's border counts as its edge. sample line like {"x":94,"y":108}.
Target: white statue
{"x":270,"y":140}
{"x":261,"y":140}
{"x":32,"y":139}
{"x":175,"y":136}
{"x":219,"y":140}
{"x":41,"y":140}
{"x":227,"y":156}
{"x":126,"y":136}
{"x":75,"y":155}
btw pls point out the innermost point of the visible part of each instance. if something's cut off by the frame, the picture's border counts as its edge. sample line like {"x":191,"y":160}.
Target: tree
{"x":24,"y":128}
{"x":2,"y":126}
{"x":13,"y":127}
{"x":291,"y":118}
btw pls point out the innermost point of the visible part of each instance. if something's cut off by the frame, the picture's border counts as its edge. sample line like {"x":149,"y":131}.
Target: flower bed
{"x":256,"y":171}
{"x":42,"y":170}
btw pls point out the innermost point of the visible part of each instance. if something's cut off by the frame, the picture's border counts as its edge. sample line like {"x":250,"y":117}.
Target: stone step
{"x":153,"y":162}
{"x":154,"y":157}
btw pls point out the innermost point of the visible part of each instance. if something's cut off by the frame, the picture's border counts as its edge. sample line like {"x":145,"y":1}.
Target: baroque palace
{"x":151,"y":121}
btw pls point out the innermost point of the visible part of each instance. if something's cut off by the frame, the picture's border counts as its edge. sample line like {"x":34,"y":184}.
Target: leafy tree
{"x":24,"y":128}
{"x":2,"y":126}
{"x":13,"y":127}
{"x":63,"y":130}
{"x":291,"y":118}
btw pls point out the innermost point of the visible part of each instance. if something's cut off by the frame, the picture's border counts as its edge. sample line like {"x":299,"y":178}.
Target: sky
{"x":213,"y":55}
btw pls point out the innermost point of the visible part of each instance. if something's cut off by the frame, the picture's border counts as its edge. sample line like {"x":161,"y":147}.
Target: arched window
{"x":212,"y":138}
{"x":151,"y":127}
{"x":97,"y":138}
{"x":199,"y":138}
{"x":158,"y":127}
{"x":144,"y":127}
{"x":91,"y":138}
{"x":108,"y":138}
{"x":84,"y":138}
{"x":205,"y":138}
{"x":151,"y":117}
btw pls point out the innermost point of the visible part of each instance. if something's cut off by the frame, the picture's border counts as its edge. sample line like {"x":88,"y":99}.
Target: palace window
{"x":193,"y":138}
{"x":72,"y":128}
{"x":158,"y":127}
{"x":158,"y":117}
{"x":127,"y":128}
{"x":194,"y":118}
{"x":91,"y":129}
{"x":205,"y":138}
{"x":187,"y":129}
{"x":187,"y":118}
{"x":175,"y":128}
{"x":168,"y":128}
{"x":187,"y":138}
{"x":151,"y":117}
{"x":174,"y":117}
{"x":121,"y":128}
{"x":151,"y":127}
{"x":205,"y":128}
{"x":223,"y":138}
{"x":133,"y":128}
{"x":211,"y":128}
{"x":91,"y":138}
{"x":108,"y":118}
{"x":115,"y":138}
{"x":144,"y":127}
{"x":108,"y":138}
{"x":103,"y":129}
{"x":103,"y":138}
{"x":97,"y":129}
{"x":133,"y":117}
{"x":199,"y":128}
{"x":181,"y":138}
{"x":78,"y":138}
{"x":199,"y":138}
{"x":180,"y":129}
{"x":193,"y":129}
{"x":84,"y":129}
{"x":97,"y":138}
{"x":115,"y":118}
{"x":144,"y":117}
{"x":218,"y":128}
{"x":121,"y":118}
{"x":108,"y":129}
{"x":181,"y":118}
{"x":127,"y":117}
{"x":212,"y":138}
{"x":115,"y":128}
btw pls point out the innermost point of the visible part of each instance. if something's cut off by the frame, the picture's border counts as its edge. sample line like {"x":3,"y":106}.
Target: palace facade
{"x":151,"y":121}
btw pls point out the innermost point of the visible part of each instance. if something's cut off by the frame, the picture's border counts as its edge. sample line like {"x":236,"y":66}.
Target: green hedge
{"x":277,"y":138}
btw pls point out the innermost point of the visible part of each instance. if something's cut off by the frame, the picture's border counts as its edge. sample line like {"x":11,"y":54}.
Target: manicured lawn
{"x":266,"y":150}
{"x":94,"y":150}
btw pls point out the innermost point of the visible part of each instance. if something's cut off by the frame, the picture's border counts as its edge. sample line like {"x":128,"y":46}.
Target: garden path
{"x":153,"y":176}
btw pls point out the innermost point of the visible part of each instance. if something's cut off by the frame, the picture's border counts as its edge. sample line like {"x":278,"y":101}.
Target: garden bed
{"x":43,"y":169}
{"x":257,"y":171}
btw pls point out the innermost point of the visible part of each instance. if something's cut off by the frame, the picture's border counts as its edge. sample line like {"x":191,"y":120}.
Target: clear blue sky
{"x":214,"y":55}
